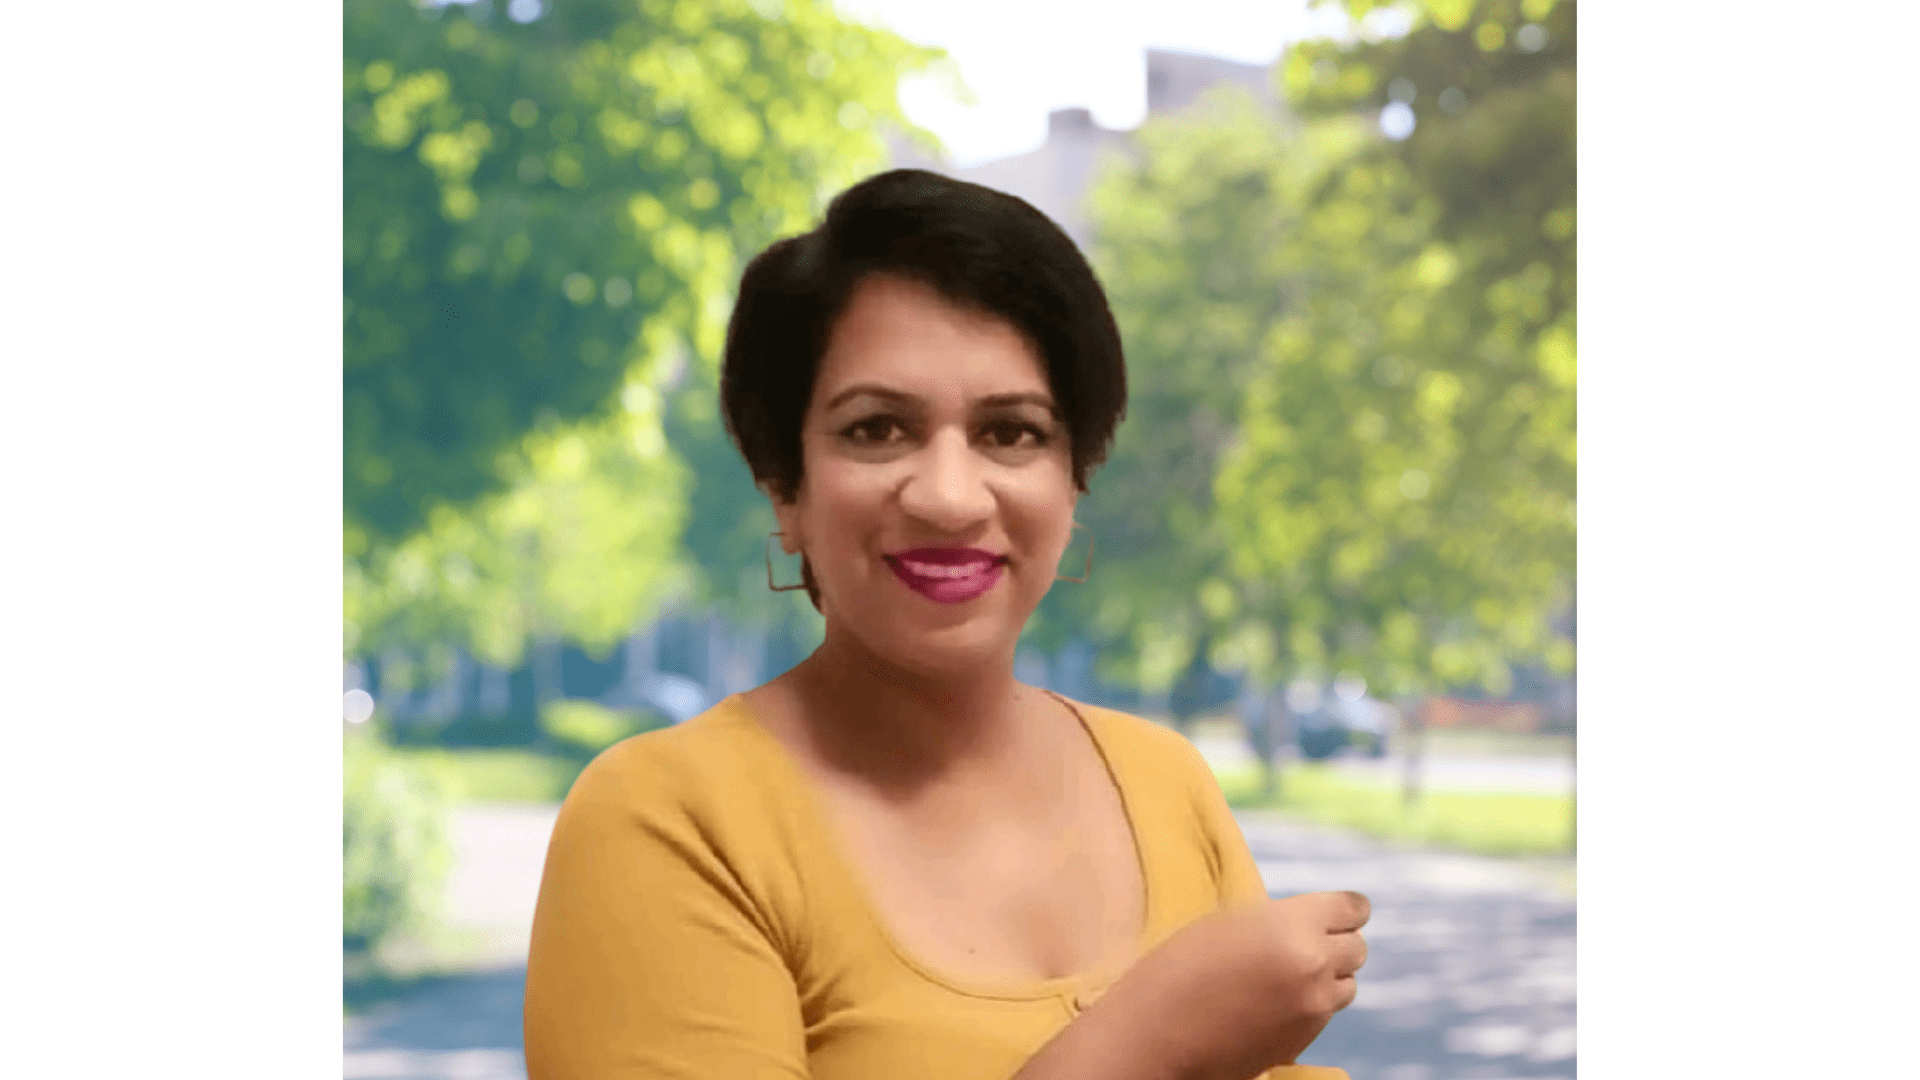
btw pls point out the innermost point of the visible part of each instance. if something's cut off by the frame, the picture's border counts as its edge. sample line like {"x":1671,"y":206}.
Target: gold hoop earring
{"x":770,"y":584}
{"x":1086,"y":573}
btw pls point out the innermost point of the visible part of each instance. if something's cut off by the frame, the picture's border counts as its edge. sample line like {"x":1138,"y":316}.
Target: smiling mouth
{"x":947,"y":576}
{"x":937,"y":570}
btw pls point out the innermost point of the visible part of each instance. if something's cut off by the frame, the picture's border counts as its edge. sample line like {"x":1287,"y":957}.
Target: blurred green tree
{"x":1354,"y":362}
{"x":583,"y":539}
{"x":1188,"y":245}
{"x":539,"y":218}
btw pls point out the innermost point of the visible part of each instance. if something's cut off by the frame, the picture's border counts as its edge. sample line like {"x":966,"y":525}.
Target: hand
{"x":1246,"y":989}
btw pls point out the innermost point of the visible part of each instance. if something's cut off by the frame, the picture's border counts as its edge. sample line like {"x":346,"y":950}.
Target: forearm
{"x":1118,"y":1040}
{"x":1126,"y":1036}
{"x":1107,"y":1042}
{"x":1154,"y":1024}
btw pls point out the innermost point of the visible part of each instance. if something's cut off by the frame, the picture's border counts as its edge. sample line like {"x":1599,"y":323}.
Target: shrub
{"x":398,"y":850}
{"x":584,"y":728}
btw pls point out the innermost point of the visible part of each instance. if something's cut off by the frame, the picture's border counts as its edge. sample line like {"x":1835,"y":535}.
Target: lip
{"x":947,"y":575}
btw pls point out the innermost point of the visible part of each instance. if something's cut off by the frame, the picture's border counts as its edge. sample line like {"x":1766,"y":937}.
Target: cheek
{"x":840,"y":502}
{"x":1044,"y":506}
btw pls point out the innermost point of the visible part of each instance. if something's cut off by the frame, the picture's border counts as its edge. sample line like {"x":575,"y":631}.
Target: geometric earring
{"x":770,"y":584}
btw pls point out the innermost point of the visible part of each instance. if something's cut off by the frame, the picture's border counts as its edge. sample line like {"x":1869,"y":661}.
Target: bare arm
{"x":1229,"y":996}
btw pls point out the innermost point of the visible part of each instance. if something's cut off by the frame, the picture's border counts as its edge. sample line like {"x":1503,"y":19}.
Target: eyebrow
{"x":991,"y":401}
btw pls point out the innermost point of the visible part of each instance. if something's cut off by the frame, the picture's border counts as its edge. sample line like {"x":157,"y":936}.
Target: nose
{"x":945,"y":487}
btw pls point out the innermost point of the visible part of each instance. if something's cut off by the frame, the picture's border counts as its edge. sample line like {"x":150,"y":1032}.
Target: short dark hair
{"x":978,"y":248}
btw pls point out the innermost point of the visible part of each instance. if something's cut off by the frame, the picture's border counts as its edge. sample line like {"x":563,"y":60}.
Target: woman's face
{"x":937,"y":491}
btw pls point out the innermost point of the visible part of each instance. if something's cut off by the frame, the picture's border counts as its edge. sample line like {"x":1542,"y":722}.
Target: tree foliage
{"x":582,"y":541}
{"x":1188,"y":247}
{"x":538,"y":216}
{"x":1393,"y":491}
{"x":528,"y":205}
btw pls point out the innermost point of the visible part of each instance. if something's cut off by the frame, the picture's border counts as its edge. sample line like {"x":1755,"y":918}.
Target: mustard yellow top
{"x":697,"y":920}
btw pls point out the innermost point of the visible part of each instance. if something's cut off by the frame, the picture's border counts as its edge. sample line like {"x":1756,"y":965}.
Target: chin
{"x":951,"y":651}
{"x":940,"y":644}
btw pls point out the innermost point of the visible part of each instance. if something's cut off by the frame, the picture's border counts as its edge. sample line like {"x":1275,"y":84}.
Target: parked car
{"x":1329,"y":720}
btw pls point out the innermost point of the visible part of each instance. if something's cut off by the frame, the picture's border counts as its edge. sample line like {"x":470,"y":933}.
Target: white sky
{"x":1025,"y":58}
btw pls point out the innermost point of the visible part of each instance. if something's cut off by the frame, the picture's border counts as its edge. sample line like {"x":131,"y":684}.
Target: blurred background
{"x":1335,"y":539}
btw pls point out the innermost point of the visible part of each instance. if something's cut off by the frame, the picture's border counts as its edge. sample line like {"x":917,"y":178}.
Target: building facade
{"x":1056,"y":177}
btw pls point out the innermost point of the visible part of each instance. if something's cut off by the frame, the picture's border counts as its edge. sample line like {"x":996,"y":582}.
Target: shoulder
{"x":1138,"y":736}
{"x":704,"y":767}
{"x":707,"y":796}
{"x":1152,"y":758}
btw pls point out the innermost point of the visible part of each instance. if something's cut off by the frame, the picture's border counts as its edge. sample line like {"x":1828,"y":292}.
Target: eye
{"x":1015,"y":434}
{"x":873,"y":431}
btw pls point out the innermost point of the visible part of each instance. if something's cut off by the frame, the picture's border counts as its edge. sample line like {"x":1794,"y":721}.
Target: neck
{"x":905,"y":729}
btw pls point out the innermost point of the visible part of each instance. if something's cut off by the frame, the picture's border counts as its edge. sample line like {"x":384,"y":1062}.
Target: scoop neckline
{"x":844,"y":867}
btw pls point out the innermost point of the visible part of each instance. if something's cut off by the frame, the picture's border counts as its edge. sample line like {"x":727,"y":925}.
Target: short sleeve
{"x":649,"y":958}
{"x":1239,"y":876}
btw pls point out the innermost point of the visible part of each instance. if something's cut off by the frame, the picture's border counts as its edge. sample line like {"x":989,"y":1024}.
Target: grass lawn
{"x":1490,"y":823}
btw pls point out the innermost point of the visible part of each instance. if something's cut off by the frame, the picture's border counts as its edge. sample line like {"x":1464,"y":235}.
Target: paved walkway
{"x":1470,"y":968}
{"x":1470,"y":976}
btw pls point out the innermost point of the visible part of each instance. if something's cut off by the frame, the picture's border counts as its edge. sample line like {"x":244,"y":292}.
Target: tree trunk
{"x":1072,"y":667}
{"x":1256,"y":721}
{"x":494,"y":696}
{"x":545,"y":662}
{"x":1416,"y":748}
{"x":716,"y":657}
{"x":750,"y":659}
{"x":642,"y":656}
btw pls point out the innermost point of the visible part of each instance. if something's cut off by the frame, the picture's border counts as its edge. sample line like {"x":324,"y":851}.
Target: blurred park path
{"x":1470,"y":960}
{"x":1471,"y":973}
{"x":466,"y":1026}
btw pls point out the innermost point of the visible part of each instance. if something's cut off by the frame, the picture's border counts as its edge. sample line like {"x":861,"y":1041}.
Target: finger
{"x":1344,"y":991}
{"x":1348,"y":953}
{"x":1347,"y":911}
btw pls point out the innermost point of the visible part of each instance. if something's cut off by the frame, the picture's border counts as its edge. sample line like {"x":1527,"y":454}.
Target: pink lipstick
{"x":947,"y":575}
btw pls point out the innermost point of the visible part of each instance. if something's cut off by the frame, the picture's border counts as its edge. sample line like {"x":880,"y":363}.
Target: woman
{"x":895,"y":860}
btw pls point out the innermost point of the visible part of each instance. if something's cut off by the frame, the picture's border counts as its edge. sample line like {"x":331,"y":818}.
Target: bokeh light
{"x":1350,"y":686}
{"x":1396,"y":120}
{"x":357,"y":707}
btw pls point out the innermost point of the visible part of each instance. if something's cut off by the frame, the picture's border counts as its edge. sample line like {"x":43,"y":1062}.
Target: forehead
{"x":908,"y":337}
